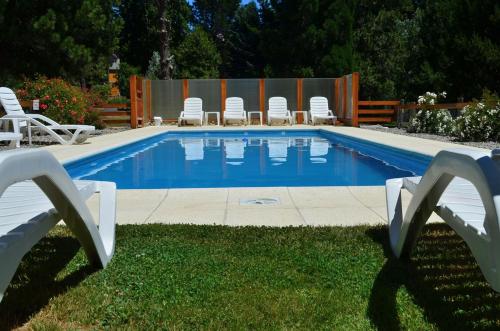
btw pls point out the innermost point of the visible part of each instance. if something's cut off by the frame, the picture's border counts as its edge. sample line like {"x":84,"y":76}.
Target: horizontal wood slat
{"x":375,"y":119}
{"x":378,"y":103}
{"x":457,"y":105}
{"x":376,"y":111}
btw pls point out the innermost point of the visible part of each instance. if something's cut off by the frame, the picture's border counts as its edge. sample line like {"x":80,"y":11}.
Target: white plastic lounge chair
{"x":14,"y":138}
{"x":35,"y":194}
{"x":319,"y":148}
{"x":278,"y":110}
{"x":278,"y":150}
{"x":193,"y":149}
{"x":319,"y":111}
{"x":234,"y":111}
{"x":463,"y":187}
{"x":235,"y":150}
{"x":193,"y":111}
{"x":75,"y":133}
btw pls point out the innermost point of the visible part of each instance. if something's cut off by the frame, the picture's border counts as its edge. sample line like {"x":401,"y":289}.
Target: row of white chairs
{"x":277,"y":112}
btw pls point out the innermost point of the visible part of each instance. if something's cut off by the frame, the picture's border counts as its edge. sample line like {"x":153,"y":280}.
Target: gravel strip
{"x":45,"y":140}
{"x":480,"y":144}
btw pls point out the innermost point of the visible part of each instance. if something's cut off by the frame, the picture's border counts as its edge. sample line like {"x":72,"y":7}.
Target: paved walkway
{"x":297,"y":206}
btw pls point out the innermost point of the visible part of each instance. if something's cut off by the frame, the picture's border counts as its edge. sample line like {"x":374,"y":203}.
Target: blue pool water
{"x":249,"y":158}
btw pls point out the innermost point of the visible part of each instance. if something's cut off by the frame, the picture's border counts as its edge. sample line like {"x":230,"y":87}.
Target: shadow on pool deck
{"x":443,"y":278}
{"x":36,"y":280}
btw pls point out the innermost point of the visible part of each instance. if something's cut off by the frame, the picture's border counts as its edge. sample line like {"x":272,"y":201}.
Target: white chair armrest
{"x":43,"y":118}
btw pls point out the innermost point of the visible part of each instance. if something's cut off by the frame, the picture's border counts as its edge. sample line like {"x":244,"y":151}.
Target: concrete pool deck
{"x":297,"y":206}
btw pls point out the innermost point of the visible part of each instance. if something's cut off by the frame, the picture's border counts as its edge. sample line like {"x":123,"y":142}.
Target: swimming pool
{"x":248,"y":159}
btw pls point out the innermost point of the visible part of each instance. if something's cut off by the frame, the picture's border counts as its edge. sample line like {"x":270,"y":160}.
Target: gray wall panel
{"x":166,"y":98}
{"x":208,"y":90}
{"x":247,"y":89}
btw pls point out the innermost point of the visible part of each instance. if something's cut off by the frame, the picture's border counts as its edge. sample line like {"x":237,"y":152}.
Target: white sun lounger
{"x":461,"y":186}
{"x":75,"y":133}
{"x":278,"y":110}
{"x":234,"y":111}
{"x":193,"y":111}
{"x":193,"y":149}
{"x":35,"y":194}
{"x":14,"y":138}
{"x":319,"y":111}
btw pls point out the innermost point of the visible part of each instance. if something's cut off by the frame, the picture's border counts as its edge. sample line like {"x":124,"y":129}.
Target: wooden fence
{"x":112,"y":114}
{"x":140,"y":102}
{"x":373,"y":112}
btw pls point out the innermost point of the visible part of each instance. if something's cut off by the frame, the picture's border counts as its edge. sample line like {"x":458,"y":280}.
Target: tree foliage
{"x":197,"y":56}
{"x":71,"y":39}
{"x":401,"y":47}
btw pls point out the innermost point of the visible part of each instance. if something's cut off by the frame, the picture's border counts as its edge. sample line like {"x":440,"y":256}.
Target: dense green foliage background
{"x":401,"y":47}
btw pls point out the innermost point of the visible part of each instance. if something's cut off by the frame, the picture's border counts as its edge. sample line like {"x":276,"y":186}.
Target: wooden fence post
{"x":344,"y":96}
{"x":185,"y":89}
{"x":133,"y":101}
{"x":299,"y":99}
{"x":262,"y":99}
{"x":149,"y":111}
{"x":355,"y":98}
{"x":336,"y":98}
{"x":223,"y":95}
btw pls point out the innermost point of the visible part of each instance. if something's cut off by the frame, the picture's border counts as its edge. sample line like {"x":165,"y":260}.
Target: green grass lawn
{"x":214,"y":277}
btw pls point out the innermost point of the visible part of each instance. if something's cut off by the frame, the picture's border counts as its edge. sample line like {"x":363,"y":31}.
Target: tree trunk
{"x":165,"y":56}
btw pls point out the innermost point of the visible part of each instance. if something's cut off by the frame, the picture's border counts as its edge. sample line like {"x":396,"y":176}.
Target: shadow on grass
{"x":36,"y":281}
{"x":443,"y":278}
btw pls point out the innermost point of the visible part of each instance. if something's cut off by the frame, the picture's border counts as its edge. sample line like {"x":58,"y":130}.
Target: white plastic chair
{"x":193,"y":111}
{"x":35,"y":194}
{"x":14,"y":138}
{"x":278,"y":110}
{"x":463,"y":187}
{"x":319,"y":111}
{"x":75,"y":133}
{"x":234,"y":112}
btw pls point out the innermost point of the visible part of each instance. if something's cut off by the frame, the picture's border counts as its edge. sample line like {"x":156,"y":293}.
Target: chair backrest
{"x":234,"y":105}
{"x":9,"y":102}
{"x":278,"y":106}
{"x":193,"y":106}
{"x":319,"y":105}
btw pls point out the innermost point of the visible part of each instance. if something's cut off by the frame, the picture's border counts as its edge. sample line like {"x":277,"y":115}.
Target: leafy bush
{"x":429,"y":120}
{"x":61,"y":101}
{"x":479,"y":121}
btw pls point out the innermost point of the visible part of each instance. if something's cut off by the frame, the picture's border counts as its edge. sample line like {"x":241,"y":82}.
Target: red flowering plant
{"x":61,"y":101}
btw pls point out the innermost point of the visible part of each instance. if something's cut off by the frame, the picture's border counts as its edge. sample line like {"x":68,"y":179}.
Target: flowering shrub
{"x":61,"y":101}
{"x":428,"y":120}
{"x":480,"y":121}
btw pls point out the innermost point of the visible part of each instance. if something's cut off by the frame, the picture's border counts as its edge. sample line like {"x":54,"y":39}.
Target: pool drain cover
{"x":260,"y":202}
